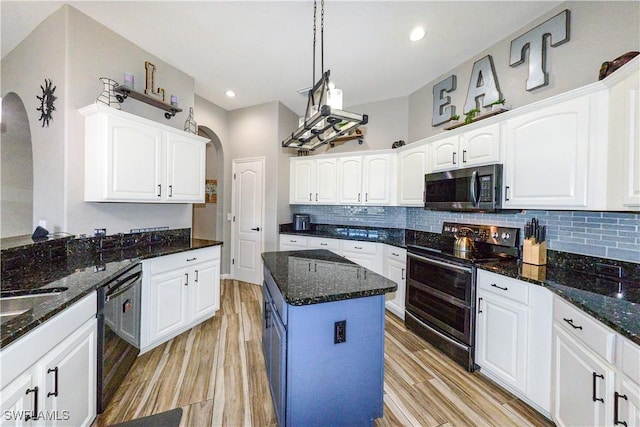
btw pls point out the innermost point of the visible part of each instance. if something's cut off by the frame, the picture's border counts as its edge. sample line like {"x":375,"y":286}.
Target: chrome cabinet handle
{"x":191,"y":259}
{"x":186,"y":282}
{"x":323,"y":244}
{"x":366,"y":197}
{"x":310,"y":197}
{"x":464,"y":157}
{"x":159,"y":190}
{"x":196,"y":279}
{"x":570,"y":321}
{"x":357,"y":247}
{"x":506,"y":193}
{"x":454,"y":158}
{"x":358,"y":197}
{"x":171,"y":191}
{"x":395,"y":254}
{"x":316,"y":197}
{"x":493,"y":285}
{"x":479,"y":306}
{"x":402,"y":276}
{"x":55,"y":382}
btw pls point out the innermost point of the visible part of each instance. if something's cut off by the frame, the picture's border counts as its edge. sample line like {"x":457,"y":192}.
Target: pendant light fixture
{"x":324,"y":119}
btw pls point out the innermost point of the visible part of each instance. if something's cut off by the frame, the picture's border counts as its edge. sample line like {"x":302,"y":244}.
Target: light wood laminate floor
{"x":216,"y":373}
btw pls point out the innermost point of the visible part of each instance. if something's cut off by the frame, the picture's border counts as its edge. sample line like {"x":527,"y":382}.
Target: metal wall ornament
{"x":47,"y":99}
{"x":482,"y":84}
{"x":442,"y":108}
{"x":108,"y":96}
{"x":190,"y":124}
{"x":556,"y":30}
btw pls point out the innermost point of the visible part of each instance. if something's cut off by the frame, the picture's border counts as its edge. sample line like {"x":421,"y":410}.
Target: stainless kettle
{"x":463,"y":243}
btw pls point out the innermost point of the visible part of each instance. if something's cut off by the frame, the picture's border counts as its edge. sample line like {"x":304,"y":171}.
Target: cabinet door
{"x":579,"y":378}
{"x":624,"y":119}
{"x":204,"y":290}
{"x":501,"y":342}
{"x":627,"y":401}
{"x":394,"y":301}
{"x":69,"y":382}
{"x":480,"y":146}
{"x":350,"y":180}
{"x":377,"y":179}
{"x":278,"y":367}
{"x":326,"y":181}
{"x":444,"y":154}
{"x":17,"y":398}
{"x":412,"y":168}
{"x":134,"y":161}
{"x":168,"y":303}
{"x":185,"y":169}
{"x":546,"y":156}
{"x":302,"y":180}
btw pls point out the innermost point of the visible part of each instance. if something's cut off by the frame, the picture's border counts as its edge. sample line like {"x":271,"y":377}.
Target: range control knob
{"x":504,"y":236}
{"x":495,"y":235}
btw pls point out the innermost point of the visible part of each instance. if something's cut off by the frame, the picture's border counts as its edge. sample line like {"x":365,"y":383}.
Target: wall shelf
{"x":124,"y":92}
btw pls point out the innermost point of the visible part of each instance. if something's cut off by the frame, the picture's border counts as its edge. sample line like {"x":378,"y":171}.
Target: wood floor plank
{"x":216,"y":373}
{"x":197,"y":414}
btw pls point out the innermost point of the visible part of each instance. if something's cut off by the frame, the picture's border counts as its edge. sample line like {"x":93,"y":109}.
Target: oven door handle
{"x":123,"y":286}
{"x":440,"y":263}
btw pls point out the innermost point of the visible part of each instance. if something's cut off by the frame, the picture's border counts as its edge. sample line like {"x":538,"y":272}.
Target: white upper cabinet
{"x":547,"y":156}
{"x":132,"y":159}
{"x":366,"y":179}
{"x":475,"y":147}
{"x":313,"y":181}
{"x":413,"y":164}
{"x":623,"y":190}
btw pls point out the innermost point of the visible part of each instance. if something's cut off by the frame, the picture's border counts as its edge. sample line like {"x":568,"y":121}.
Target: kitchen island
{"x":323,"y":338}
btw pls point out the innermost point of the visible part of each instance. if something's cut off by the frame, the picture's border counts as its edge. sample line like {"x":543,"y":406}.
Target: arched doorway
{"x":207,"y":220}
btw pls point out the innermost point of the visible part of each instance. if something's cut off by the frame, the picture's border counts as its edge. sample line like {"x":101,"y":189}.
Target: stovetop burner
{"x":491,"y":243}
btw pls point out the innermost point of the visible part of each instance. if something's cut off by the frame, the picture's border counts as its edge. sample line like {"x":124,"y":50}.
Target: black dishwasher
{"x":118,"y":331}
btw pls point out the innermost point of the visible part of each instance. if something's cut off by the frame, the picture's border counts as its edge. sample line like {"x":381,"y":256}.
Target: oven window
{"x":450,"y":318}
{"x":453,"y":282}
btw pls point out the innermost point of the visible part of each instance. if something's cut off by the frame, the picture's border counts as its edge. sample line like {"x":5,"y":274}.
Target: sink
{"x":16,"y":303}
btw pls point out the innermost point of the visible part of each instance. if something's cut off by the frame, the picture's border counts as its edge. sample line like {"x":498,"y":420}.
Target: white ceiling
{"x":263,"y":49}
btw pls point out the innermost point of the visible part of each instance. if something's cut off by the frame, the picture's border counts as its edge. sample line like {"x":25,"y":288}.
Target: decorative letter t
{"x":557,"y":29}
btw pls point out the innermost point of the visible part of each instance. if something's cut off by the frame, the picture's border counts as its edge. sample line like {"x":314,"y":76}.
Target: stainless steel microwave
{"x":475,"y":189}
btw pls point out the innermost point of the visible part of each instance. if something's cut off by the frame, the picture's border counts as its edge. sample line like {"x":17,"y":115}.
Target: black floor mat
{"x":164,"y":419}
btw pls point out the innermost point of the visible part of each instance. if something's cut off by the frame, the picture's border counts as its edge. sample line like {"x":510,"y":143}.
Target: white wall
{"x":41,"y":56}
{"x":599,"y":31}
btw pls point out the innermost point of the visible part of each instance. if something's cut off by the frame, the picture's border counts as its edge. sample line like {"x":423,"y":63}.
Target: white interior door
{"x":248,"y":220}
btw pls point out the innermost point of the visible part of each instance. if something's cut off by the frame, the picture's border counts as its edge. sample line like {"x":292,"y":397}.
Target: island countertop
{"x":317,"y":276}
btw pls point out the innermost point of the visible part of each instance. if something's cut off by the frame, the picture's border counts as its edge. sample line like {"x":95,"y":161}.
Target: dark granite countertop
{"x":317,"y":276}
{"x":571,"y":276}
{"x":82,"y":272}
{"x":614,"y":303}
{"x":390,"y":236}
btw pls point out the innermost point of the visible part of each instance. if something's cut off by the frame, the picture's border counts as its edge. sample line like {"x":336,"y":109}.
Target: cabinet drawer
{"x":182,"y":259}
{"x":360,"y":247}
{"x":278,"y":300}
{"x":628,"y":359}
{"x":582,"y":326}
{"x":394,"y":253}
{"x":324,"y":243}
{"x":290,"y":240}
{"x":503,"y":286}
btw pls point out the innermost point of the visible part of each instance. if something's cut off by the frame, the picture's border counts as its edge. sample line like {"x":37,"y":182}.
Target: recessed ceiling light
{"x":417,"y":34}
{"x":230,"y":93}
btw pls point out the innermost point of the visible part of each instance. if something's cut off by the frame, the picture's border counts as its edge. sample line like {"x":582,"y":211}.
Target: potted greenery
{"x":468,"y":117}
{"x":454,"y":118}
{"x":497,"y":105}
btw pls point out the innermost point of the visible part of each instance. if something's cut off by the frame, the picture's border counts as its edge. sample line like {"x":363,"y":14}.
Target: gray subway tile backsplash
{"x":613,"y":235}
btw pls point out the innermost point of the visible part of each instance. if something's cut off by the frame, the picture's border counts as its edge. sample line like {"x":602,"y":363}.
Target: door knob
{"x":256,"y":229}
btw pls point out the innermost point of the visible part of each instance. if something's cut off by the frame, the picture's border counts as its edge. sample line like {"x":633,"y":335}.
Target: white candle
{"x":128,"y":80}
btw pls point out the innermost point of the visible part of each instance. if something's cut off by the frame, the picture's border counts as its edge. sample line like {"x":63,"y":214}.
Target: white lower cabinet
{"x":513,"y":336}
{"x":583,"y":384}
{"x":366,"y":254}
{"x":178,"y":291}
{"x":290,"y":242}
{"x":595,"y":372}
{"x":395,"y":268}
{"x":49,"y":375}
